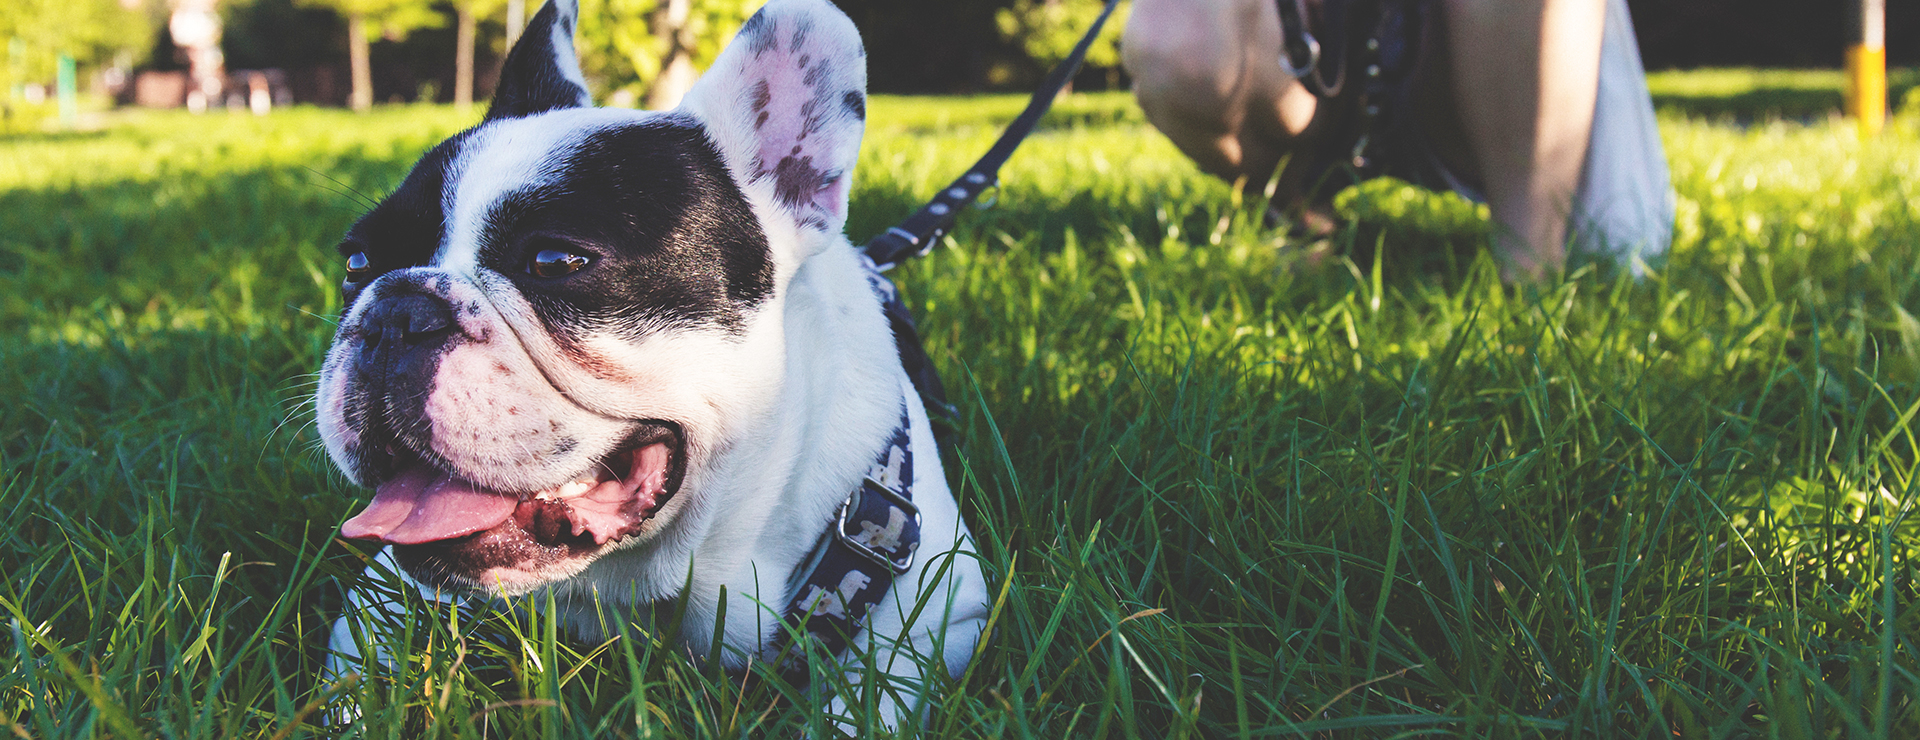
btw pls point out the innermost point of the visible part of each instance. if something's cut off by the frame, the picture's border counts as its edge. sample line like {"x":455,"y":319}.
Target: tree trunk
{"x":676,"y":65}
{"x":362,"y":99}
{"x":463,"y":58}
{"x":516,"y":18}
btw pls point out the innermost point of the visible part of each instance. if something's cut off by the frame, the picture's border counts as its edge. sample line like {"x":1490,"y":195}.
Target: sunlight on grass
{"x":1231,"y":488}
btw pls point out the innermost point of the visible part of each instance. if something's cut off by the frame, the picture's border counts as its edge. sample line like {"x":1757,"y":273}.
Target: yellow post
{"x":1867,"y":69}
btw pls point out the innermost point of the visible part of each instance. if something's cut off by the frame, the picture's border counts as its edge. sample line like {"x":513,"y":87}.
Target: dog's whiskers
{"x":330,"y":320}
{"x":344,"y":190}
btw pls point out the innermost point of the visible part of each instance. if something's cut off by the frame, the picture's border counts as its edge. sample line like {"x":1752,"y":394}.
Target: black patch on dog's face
{"x":407,"y":227}
{"x":672,"y":240}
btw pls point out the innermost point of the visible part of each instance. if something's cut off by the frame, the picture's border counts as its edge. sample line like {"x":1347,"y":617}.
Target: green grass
{"x":1750,"y":94}
{"x":1226,"y":492}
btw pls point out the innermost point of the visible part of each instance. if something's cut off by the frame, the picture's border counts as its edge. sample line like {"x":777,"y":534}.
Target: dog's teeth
{"x":571,"y":489}
{"x":566,"y":490}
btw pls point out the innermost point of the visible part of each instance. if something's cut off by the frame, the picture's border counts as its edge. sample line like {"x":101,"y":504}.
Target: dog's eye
{"x":553,"y":263}
{"x":358,"y":267}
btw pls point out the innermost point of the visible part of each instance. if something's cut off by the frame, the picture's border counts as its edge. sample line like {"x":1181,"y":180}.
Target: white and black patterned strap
{"x":906,"y":341}
{"x":871,"y":540}
{"x":876,"y":530}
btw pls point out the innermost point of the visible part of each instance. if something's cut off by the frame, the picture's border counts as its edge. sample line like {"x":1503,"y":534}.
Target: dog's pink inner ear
{"x":806,"y":106}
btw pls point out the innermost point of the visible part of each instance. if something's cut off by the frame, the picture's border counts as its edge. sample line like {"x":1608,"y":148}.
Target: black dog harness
{"x":1362,"y":57}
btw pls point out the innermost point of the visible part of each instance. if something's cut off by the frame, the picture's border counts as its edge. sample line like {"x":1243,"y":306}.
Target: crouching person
{"x":1538,"y":108}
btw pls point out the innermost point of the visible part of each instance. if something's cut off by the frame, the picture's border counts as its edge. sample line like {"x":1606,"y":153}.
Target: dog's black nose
{"x":409,"y":320}
{"x":404,"y":333}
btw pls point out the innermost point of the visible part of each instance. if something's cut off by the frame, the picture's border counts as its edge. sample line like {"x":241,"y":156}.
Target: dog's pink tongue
{"x":425,"y":505}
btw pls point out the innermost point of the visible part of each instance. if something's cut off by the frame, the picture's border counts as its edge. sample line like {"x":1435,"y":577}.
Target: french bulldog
{"x":622,"y":357}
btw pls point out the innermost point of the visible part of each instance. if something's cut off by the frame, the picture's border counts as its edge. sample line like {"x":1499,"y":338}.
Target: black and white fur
{"x":723,"y":311}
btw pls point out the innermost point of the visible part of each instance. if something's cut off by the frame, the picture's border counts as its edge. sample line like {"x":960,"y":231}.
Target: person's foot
{"x":1303,"y":240}
{"x":1306,"y":223}
{"x":1520,"y":263}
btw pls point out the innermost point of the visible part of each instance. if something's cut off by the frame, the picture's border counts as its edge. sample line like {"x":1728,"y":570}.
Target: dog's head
{"x":561,"y":313}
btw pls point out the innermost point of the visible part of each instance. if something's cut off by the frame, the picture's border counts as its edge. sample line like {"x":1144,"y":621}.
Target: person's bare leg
{"x":1207,"y":74}
{"x":1525,"y":73}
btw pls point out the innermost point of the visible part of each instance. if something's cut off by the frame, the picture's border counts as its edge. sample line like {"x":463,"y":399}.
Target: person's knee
{"x":1169,"y":79}
{"x":1176,"y":56}
{"x":1186,"y":100}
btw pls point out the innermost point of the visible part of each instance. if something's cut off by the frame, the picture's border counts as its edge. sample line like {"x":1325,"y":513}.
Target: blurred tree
{"x":611,"y":33}
{"x":467,"y":13}
{"x":673,"y":33}
{"x":516,"y":20}
{"x":1760,"y":33}
{"x":277,"y":33}
{"x":394,"y":18}
{"x":932,"y":47}
{"x":91,"y":31}
{"x":653,"y":48}
{"x":1049,"y":29}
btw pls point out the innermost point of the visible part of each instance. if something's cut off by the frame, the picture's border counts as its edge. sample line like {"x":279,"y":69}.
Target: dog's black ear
{"x":786,"y":104}
{"x":542,"y":72}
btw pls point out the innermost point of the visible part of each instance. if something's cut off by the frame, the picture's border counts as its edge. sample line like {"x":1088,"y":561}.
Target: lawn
{"x":1222,"y":490}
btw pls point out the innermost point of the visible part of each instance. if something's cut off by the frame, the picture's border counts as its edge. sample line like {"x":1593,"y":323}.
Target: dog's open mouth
{"x":424,"y":504}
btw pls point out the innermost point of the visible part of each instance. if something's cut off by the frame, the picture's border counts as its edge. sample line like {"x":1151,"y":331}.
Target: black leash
{"x":917,"y":234}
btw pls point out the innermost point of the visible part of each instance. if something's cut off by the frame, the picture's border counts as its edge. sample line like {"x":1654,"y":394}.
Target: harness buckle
{"x":1290,"y":52}
{"x":905,"y":562}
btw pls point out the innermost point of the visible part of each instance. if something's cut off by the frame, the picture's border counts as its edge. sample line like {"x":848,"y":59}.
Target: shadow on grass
{"x":1754,"y":96}
{"x":52,"y":137}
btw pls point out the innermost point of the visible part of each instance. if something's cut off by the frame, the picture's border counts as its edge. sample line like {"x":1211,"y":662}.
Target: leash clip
{"x":984,"y":202}
{"x":899,"y":566}
{"x":1289,"y":52}
{"x":981,"y":183}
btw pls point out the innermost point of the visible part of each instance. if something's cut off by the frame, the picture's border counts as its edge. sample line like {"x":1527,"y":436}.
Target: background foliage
{"x":618,"y":49}
{"x":1761,"y":33}
{"x":389,"y":20}
{"x":1047,"y":30}
{"x":89,"y":30}
{"x":918,"y":47}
